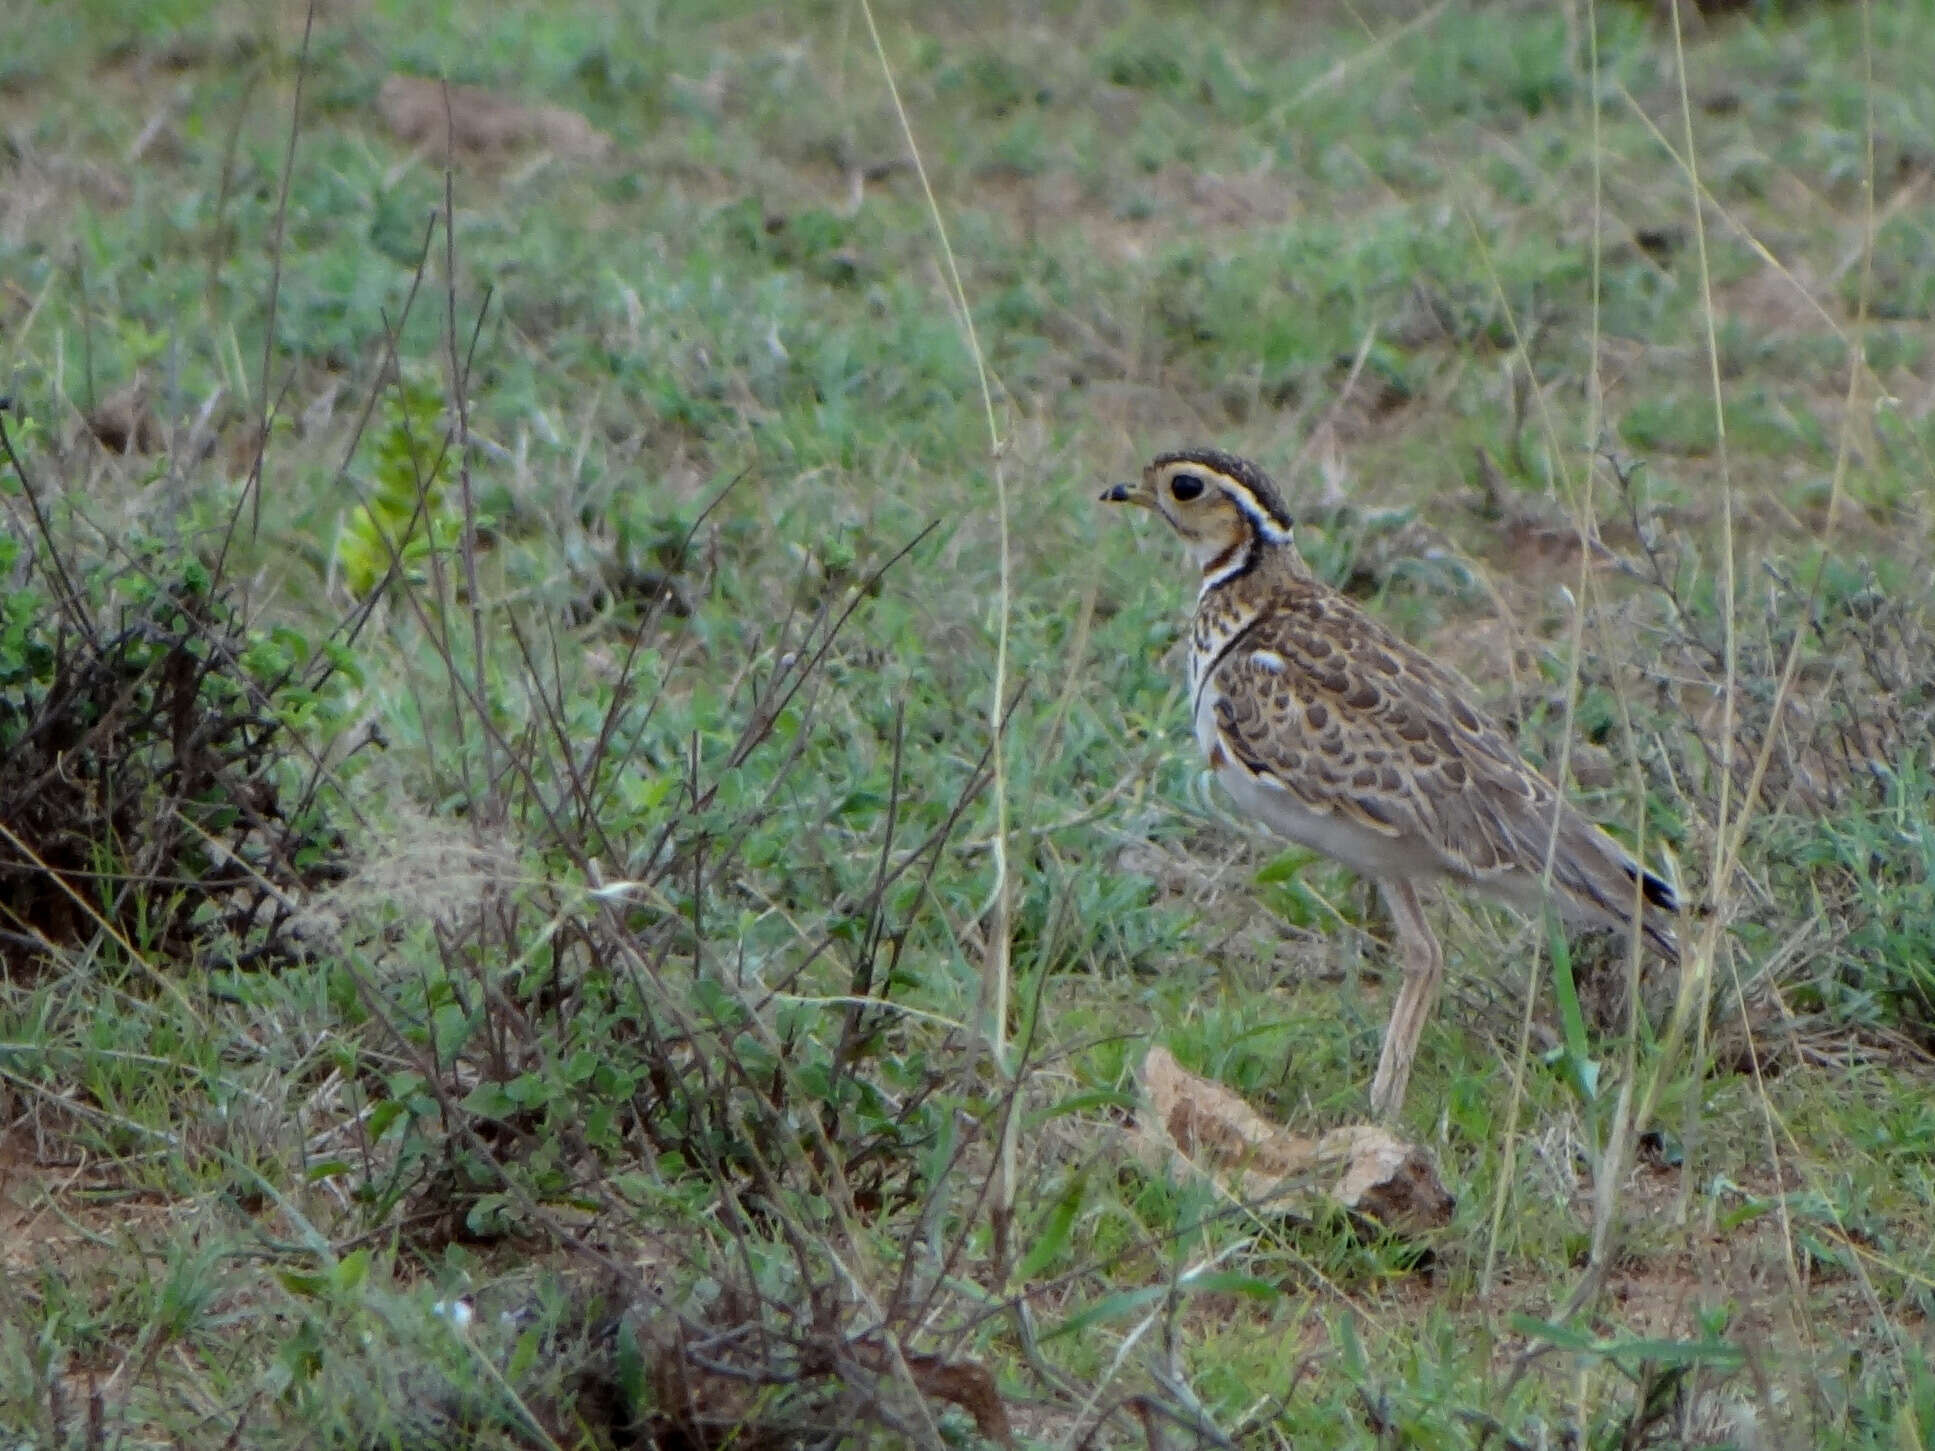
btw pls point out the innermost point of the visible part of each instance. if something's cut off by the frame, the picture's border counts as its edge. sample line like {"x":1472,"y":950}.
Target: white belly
{"x":1363,"y":849}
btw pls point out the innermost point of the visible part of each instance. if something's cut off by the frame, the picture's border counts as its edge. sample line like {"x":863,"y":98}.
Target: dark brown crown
{"x":1240,"y":469}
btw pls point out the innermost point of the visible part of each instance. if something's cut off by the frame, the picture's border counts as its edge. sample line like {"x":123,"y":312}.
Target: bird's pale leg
{"x":1424,"y":965}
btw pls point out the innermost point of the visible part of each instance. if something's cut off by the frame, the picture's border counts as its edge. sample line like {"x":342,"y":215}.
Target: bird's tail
{"x":1601,"y":876}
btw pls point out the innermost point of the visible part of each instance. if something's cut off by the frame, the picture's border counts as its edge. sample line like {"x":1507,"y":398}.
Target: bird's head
{"x":1224,"y":508}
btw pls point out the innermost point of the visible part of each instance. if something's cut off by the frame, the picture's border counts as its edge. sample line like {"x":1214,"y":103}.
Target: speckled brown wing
{"x":1328,"y":705}
{"x":1319,"y":700}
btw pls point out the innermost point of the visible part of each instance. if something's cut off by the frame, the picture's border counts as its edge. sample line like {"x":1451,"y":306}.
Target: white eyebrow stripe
{"x":1259,"y":517}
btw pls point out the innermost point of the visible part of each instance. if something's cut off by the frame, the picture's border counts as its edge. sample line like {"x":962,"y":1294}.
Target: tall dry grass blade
{"x":997,"y":968}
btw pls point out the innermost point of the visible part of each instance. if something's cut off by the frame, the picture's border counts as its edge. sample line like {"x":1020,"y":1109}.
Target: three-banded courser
{"x":1328,"y":728}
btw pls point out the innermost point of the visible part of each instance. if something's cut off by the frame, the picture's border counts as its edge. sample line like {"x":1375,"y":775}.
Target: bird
{"x":1333,"y":731}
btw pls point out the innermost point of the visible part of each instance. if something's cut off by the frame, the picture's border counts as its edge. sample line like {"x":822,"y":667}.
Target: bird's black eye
{"x":1186,"y":487}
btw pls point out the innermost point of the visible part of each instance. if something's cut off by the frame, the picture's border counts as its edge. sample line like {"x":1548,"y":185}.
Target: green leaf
{"x":628,"y":1366}
{"x":301,"y":1355}
{"x":490,"y":1099}
{"x":528,"y":1090}
{"x":1677,"y":1352}
{"x":1283,"y":867}
{"x":1102,"y":1098}
{"x":1231,"y":1282}
{"x":1351,"y":1348}
{"x":383,"y":1115}
{"x":1124,"y":1303}
{"x":1560,"y":1337}
{"x":524,"y":1356}
{"x":1057,"y":1226}
{"x":1581,"y":1072}
{"x":1117,"y":1306}
{"x":490,"y":1215}
{"x":452,"y":1025}
{"x":1629,"y":1353}
{"x":1739,"y":1215}
{"x":350,"y":1272}
{"x":303,"y":1286}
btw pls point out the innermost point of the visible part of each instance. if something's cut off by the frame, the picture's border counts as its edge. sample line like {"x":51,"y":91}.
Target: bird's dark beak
{"x":1126,"y":494}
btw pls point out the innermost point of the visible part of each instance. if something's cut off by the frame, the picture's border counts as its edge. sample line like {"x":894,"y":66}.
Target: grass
{"x":639,"y":989}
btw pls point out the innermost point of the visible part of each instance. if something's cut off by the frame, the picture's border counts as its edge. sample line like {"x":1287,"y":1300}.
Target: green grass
{"x":558,"y":1013}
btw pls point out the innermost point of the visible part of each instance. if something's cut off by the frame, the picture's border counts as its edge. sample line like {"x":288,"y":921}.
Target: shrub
{"x":157,"y":783}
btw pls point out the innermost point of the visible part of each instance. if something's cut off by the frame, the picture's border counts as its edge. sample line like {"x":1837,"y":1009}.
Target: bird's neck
{"x":1247,"y":560}
{"x":1237,"y":592}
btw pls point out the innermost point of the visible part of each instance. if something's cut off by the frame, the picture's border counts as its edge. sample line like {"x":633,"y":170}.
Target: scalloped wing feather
{"x":1322,"y":702}
{"x":1325,"y":703}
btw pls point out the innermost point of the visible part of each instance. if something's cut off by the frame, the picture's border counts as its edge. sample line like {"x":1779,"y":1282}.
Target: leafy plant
{"x":1873,"y":869}
{"x":160,"y":783}
{"x":406,"y":513}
